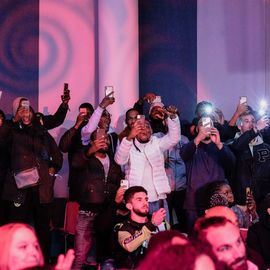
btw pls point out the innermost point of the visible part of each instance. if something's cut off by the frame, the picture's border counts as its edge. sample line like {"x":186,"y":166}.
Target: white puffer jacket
{"x":134,"y":160}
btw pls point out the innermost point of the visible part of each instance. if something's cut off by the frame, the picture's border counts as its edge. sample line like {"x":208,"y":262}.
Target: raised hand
{"x":120,"y":194}
{"x":135,"y":130}
{"x":215,"y":137}
{"x":263,"y":123}
{"x":107,"y":100}
{"x":64,"y":262}
{"x":158,"y":216}
{"x":149,"y":97}
{"x":97,"y":145}
{"x":203,"y":133}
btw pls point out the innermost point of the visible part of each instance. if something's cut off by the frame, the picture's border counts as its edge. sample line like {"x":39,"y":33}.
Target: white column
{"x":118,"y":54}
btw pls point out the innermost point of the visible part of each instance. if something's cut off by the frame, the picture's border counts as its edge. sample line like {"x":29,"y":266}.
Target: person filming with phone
{"x":98,"y":181}
{"x":252,"y":158}
{"x":142,"y":155}
{"x":29,"y":183}
{"x":207,"y":160}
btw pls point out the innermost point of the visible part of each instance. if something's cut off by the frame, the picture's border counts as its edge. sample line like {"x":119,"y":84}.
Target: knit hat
{"x":155,"y":104}
{"x":16,"y":104}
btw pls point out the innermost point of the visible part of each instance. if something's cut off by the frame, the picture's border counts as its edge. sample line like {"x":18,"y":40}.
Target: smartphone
{"x":141,"y":118}
{"x":100,"y":133}
{"x":161,"y":203}
{"x":248,"y":191}
{"x":243,"y":99}
{"x":25,"y":104}
{"x":65,"y":87}
{"x":108,"y":91}
{"x":124,"y":183}
{"x":207,"y":122}
{"x":66,"y":91}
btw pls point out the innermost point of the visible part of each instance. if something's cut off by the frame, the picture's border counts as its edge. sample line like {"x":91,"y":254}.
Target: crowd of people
{"x":161,"y":194}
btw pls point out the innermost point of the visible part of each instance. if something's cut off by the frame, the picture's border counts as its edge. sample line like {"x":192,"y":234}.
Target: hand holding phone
{"x":141,"y":119}
{"x":100,"y":133}
{"x":124,"y":183}
{"x":66,"y":94}
{"x":243,"y":100}
{"x":25,"y":104}
{"x":109,"y":91}
{"x":207,"y":122}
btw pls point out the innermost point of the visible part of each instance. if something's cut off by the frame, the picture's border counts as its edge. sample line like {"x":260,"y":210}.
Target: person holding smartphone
{"x":70,"y":143}
{"x":142,"y":155}
{"x":48,"y":121}
{"x":97,"y":115}
{"x":207,"y":160}
{"x":252,"y":158}
{"x":30,"y":148}
{"x":98,"y":181}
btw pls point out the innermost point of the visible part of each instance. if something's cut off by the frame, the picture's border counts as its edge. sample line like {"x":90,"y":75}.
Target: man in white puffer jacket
{"x":143,"y":159}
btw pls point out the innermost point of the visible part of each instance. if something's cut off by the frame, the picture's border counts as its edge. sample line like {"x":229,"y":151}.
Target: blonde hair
{"x":6,"y":236}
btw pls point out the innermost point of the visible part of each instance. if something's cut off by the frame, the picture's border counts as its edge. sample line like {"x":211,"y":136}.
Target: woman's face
{"x":24,"y":250}
{"x":226,"y":191}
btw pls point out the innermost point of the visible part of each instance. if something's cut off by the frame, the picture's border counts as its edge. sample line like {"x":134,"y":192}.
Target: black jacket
{"x":135,"y":234}
{"x":57,"y":119}
{"x":204,"y":165}
{"x":30,"y":146}
{"x":258,"y":239}
{"x":251,"y":170}
{"x":71,"y":143}
{"x":93,"y":189}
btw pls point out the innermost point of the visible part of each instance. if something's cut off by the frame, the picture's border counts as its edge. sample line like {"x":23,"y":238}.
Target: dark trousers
{"x":191,"y":217}
{"x":35,"y":213}
{"x":176,"y":201}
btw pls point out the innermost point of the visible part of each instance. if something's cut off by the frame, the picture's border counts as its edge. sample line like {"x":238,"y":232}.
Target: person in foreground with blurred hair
{"x":20,"y":249}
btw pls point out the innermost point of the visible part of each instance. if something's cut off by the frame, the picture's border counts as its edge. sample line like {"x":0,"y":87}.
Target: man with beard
{"x":70,"y":143}
{"x":134,"y":233}
{"x":207,"y":160}
{"x":98,"y":178}
{"x":131,"y":117}
{"x":143,"y":158}
{"x":226,"y":241}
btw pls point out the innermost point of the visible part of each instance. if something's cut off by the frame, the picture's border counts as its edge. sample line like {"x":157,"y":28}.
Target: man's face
{"x":131,"y":118}
{"x":157,"y":113}
{"x":139,"y":204}
{"x":228,"y":245}
{"x":145,"y":134}
{"x":26,"y":116}
{"x":105,"y":120}
{"x":247,"y":123}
